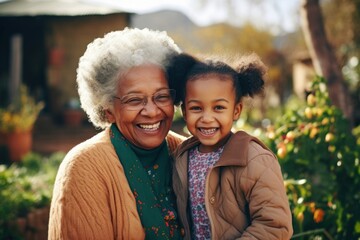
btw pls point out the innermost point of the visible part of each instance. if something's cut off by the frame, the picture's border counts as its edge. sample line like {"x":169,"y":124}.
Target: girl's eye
{"x":219,"y":108}
{"x":195,"y":109}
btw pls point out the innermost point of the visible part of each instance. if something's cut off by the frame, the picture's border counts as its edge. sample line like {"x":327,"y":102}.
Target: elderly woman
{"x":117,"y":185}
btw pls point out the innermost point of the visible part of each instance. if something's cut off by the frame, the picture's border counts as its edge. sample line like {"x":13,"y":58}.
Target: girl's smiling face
{"x":209,"y":109}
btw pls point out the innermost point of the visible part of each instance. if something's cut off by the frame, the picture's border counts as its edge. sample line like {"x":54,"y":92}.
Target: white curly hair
{"x":107,"y":58}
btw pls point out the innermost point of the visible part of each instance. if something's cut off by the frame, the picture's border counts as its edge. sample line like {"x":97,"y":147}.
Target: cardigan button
{"x":212,"y":200}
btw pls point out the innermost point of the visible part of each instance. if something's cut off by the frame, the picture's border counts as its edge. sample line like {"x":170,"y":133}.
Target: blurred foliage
{"x":351,"y":72}
{"x":220,"y":38}
{"x":25,"y":186}
{"x":341,"y":23}
{"x":319,"y":156}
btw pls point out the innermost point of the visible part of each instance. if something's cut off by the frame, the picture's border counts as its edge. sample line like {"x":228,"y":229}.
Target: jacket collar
{"x":235,"y":151}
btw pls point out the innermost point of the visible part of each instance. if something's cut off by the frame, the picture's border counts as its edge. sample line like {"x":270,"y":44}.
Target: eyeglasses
{"x":136,"y":102}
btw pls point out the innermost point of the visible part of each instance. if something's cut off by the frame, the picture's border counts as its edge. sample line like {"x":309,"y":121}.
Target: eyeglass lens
{"x":161,"y":98}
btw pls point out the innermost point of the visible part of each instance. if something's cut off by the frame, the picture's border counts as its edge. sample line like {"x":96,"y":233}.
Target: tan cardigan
{"x":245,"y":196}
{"x":91,"y":197}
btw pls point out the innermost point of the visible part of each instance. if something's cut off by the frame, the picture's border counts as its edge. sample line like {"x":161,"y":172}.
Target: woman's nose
{"x":150,"y":109}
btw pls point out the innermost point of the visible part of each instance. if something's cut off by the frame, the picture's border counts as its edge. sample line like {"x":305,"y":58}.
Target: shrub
{"x":25,"y":186}
{"x":319,"y":157}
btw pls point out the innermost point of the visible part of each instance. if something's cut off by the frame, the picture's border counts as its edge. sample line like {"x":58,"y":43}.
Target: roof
{"x":55,"y":8}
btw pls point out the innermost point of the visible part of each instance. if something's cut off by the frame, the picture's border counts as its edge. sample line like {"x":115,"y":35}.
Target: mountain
{"x":193,"y":38}
{"x":176,"y":24}
{"x":165,"y":20}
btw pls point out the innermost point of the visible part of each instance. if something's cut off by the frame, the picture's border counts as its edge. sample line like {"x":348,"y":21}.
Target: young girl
{"x":228,"y":185}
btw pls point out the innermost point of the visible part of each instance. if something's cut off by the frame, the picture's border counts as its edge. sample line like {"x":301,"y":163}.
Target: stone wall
{"x":35,"y":225}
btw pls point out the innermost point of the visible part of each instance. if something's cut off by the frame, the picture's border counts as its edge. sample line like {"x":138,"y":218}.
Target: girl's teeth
{"x":208,"y":131}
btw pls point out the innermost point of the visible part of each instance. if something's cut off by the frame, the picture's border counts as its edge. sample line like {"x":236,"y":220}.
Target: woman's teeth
{"x":150,"y":127}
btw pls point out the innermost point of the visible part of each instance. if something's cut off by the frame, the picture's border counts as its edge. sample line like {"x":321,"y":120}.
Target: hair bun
{"x":251,"y":71}
{"x":177,"y":70}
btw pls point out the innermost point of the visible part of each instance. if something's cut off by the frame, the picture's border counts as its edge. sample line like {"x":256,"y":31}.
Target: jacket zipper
{"x":207,"y":207}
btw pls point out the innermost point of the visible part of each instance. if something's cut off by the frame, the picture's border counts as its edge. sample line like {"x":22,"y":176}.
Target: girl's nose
{"x":206,"y":117}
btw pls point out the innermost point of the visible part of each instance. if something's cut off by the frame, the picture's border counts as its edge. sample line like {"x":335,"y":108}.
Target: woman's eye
{"x":133,"y":101}
{"x":163,"y":98}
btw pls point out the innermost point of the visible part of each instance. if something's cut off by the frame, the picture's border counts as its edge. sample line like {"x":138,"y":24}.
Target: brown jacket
{"x":245,"y":196}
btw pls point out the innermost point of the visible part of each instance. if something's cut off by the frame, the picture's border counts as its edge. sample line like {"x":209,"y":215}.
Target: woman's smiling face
{"x":146,"y":127}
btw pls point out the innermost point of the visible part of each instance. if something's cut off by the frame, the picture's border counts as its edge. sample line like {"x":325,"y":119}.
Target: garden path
{"x":50,"y":137}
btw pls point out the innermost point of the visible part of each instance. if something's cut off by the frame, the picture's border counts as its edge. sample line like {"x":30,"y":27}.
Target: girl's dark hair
{"x":247,"y":76}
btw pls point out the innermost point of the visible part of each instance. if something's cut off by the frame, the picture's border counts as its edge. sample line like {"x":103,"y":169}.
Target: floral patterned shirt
{"x":199,"y":165}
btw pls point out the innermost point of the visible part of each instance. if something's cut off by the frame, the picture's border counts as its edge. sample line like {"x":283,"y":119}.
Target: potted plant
{"x":16,"y":123}
{"x":73,"y":114}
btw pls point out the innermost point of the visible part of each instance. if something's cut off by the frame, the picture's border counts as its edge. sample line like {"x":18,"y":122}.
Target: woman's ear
{"x":110,"y":116}
{"x":237,"y":111}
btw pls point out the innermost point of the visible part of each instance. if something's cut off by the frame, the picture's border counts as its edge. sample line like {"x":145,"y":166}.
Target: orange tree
{"x":319,"y":157}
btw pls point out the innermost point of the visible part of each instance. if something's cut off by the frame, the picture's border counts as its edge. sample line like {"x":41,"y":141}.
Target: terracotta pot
{"x":18,"y":144}
{"x":73,"y":117}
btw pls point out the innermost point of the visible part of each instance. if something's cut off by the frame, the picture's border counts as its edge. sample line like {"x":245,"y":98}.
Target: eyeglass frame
{"x":144,"y":98}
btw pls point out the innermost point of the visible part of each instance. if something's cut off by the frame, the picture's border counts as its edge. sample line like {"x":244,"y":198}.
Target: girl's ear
{"x":237,"y":111}
{"x":110,"y":116}
{"x":183,"y":112}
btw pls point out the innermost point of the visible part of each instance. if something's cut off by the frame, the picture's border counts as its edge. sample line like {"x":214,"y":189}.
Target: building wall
{"x":22,"y":62}
{"x":66,"y":41}
{"x":303,"y":74}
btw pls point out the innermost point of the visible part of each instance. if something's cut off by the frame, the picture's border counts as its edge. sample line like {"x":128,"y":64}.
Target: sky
{"x":278,"y":16}
{"x":274,"y":15}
